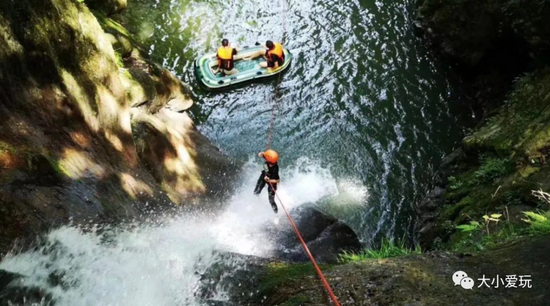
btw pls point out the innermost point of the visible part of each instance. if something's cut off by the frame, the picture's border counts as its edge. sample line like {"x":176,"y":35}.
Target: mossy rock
{"x":147,"y":92}
{"x":123,"y":45}
{"x":108,"y":7}
{"x":520,"y":129}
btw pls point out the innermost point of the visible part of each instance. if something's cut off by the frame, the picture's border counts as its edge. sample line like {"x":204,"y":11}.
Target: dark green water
{"x":364,"y":99}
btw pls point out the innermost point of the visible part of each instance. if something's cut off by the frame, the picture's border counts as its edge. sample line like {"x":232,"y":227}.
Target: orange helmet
{"x":271,"y":156}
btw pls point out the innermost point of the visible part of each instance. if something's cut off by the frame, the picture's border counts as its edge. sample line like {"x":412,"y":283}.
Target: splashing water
{"x":162,"y":264}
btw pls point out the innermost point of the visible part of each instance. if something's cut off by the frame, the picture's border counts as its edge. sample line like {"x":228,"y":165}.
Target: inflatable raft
{"x":246,"y":61}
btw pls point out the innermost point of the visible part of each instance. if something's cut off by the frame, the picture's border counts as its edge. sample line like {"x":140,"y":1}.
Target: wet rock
{"x":427,"y":216}
{"x":326,"y":236}
{"x":427,"y":211}
{"x":14,"y":291}
{"x":7,"y":278}
{"x":108,"y":7}
{"x":233,"y":274}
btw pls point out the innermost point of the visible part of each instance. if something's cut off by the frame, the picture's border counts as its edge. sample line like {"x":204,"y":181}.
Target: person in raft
{"x":269,"y":176}
{"x":274,"y":55}
{"x":226,"y":62}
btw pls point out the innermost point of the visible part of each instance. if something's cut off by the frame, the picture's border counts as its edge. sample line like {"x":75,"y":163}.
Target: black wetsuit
{"x":273,"y":174}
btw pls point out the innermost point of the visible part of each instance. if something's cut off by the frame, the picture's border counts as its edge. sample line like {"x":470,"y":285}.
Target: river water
{"x":363,"y":117}
{"x":363,"y":98}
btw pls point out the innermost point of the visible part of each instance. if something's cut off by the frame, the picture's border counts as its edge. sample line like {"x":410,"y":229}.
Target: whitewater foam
{"x":162,"y":264}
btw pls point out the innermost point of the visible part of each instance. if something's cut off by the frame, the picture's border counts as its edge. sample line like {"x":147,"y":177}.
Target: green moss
{"x":278,"y":274}
{"x":118,"y":60}
{"x":296,"y":300}
{"x":491,"y":169}
{"x":4,"y":146}
{"x":454,"y":183}
{"x":121,"y":68}
{"x":520,"y":129}
{"x":452,"y":212}
{"x":109,"y":25}
{"x":507,"y":233}
{"x":57,"y":167}
{"x":527,"y":171}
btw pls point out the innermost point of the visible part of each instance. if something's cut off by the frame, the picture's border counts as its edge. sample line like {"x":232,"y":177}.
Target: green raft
{"x":249,"y":69}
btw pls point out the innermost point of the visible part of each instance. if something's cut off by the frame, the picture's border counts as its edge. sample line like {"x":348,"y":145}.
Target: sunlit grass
{"x":539,"y":222}
{"x":388,"y":248}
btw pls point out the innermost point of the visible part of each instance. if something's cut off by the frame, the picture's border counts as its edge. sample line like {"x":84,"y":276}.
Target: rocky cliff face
{"x":490,"y":42}
{"x":502,"y":49}
{"x":89,"y":128}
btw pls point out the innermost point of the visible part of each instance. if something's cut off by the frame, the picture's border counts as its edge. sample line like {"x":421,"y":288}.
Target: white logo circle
{"x":458,"y":276}
{"x":467,"y":283}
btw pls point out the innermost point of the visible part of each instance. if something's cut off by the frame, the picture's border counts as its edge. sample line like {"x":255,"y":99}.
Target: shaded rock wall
{"x":490,"y":41}
{"x":501,"y":48}
{"x":87,"y":132}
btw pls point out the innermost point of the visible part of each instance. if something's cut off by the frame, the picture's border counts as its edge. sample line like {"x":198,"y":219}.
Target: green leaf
{"x":535,"y":217}
{"x":466,"y":227}
{"x":496,"y":216}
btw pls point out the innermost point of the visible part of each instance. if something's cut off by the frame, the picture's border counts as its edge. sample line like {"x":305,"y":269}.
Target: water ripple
{"x":362,"y":97}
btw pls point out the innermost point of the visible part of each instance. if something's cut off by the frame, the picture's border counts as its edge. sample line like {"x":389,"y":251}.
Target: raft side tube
{"x":247,"y":61}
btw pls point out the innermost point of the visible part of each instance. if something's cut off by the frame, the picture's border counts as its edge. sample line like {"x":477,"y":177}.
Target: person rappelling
{"x":269,"y":176}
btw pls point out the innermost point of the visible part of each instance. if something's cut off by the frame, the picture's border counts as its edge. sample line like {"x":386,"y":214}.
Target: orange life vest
{"x":277,"y":50}
{"x":225,"y":54}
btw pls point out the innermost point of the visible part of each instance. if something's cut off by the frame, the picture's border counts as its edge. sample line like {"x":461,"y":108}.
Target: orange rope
{"x":304,"y":245}
{"x":269,"y":137}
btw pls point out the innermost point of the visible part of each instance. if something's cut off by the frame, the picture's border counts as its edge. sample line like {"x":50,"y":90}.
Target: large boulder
{"x":325,"y":236}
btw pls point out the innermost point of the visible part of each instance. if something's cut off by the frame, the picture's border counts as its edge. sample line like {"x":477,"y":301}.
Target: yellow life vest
{"x":225,"y":54}
{"x":277,"y":50}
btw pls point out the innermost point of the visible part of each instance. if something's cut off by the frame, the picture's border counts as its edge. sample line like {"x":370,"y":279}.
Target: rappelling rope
{"x":269,"y":138}
{"x":304,"y":245}
{"x":270,"y":133}
{"x":276,"y":93}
